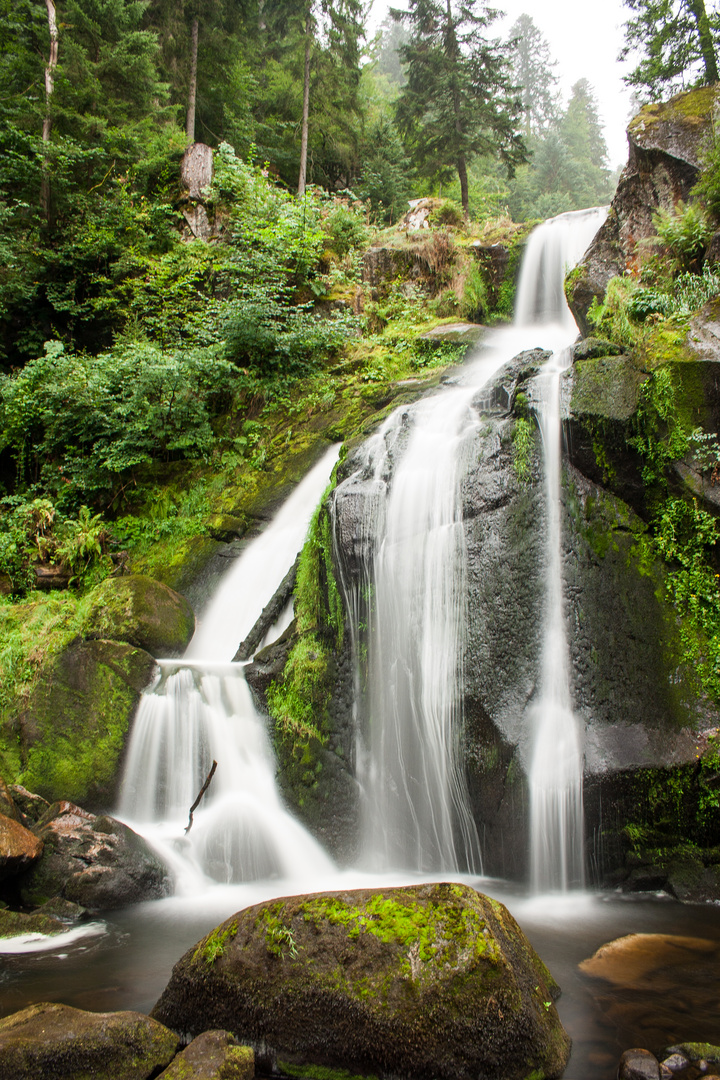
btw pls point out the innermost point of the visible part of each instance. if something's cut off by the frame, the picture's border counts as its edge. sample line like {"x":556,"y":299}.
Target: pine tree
{"x":678,"y":43}
{"x":533,"y":71}
{"x":459,"y":100}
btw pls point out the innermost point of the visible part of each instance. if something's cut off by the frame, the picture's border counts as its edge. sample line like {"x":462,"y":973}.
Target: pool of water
{"x":124,"y":962}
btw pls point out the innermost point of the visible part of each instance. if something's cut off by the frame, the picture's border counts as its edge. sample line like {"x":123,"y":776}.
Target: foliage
{"x":523,"y":447}
{"x":676,"y":41}
{"x":80,"y":426}
{"x":685,"y":231}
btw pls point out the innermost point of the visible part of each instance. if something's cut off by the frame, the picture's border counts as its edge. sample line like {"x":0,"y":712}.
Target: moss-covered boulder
{"x":73,"y":730}
{"x":143,"y":612}
{"x":96,"y":862}
{"x":430,"y":981}
{"x":214,"y":1055}
{"x":57,"y":1042}
{"x":15,"y":923}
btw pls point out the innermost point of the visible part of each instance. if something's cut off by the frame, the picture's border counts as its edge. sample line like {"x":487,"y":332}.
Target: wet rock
{"x":57,"y":1042}
{"x":142,"y":612}
{"x":96,"y":862}
{"x":676,"y":1062}
{"x":654,"y":962}
{"x":638,"y":1065}
{"x":77,"y":719}
{"x":19,"y":848}
{"x":31,"y":806}
{"x":459,"y":332}
{"x":214,"y":1055}
{"x":17,"y":923}
{"x":697,"y":1052}
{"x":431,"y":981}
{"x":664,"y":146}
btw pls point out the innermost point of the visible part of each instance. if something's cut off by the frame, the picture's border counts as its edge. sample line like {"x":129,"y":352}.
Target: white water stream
{"x":201,"y":709}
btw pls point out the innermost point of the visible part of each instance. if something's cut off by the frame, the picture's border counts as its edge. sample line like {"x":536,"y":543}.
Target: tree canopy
{"x":677,"y":45}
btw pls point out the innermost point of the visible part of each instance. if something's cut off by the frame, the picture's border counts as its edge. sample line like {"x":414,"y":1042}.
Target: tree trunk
{"x":306,"y":107}
{"x":49,"y":88}
{"x":707,"y":50}
{"x":464,"y":190}
{"x":192,"y":92}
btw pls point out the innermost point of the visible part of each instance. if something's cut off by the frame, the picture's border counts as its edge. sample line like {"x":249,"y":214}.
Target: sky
{"x":585,"y":38}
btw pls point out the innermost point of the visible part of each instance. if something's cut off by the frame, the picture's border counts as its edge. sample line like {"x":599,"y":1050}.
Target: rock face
{"x":57,"y":1042}
{"x":93,"y":861}
{"x":664,"y":143}
{"x":143,"y":612}
{"x":431,"y":981}
{"x":74,"y":728}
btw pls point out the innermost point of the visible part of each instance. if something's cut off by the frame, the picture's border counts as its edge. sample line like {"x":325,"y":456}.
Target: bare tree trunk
{"x":707,"y":49}
{"x":306,"y":107}
{"x":192,"y":92}
{"x":49,"y":88}
{"x":464,"y":189}
{"x":452,"y":52}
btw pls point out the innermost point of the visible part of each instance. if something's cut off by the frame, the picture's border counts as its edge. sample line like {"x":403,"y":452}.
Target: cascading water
{"x":409,"y":595}
{"x":201,"y":709}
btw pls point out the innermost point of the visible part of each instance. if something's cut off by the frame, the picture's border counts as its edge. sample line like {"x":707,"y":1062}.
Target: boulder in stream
{"x":19,"y":848}
{"x":57,"y":1042}
{"x":433,"y":982}
{"x":214,"y":1055}
{"x":94,"y":861}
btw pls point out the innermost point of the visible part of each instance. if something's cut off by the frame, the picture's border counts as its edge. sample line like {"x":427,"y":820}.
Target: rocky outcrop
{"x":73,"y":730}
{"x":430,"y":981}
{"x":57,"y":1042}
{"x":196,"y":173}
{"x":96,"y":862}
{"x":663,"y":163}
{"x":140,"y":611}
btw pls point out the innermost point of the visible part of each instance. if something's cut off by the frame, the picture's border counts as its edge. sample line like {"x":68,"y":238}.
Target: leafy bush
{"x":447,"y":213}
{"x":644,"y":302}
{"x":79,"y":425}
{"x":345,"y":230}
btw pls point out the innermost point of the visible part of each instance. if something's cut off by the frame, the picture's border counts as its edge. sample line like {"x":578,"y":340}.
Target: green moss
{"x":214,"y":945}
{"x":319,"y":1072}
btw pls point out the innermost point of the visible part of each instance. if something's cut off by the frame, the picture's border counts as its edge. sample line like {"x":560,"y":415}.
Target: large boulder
{"x":142,"y":612}
{"x":429,"y":981}
{"x":94,"y":861}
{"x":57,"y":1042}
{"x":19,"y":848}
{"x":74,"y":728}
{"x":663,"y":165}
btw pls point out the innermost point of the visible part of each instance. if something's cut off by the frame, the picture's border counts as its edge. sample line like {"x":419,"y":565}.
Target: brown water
{"x":128,"y":964}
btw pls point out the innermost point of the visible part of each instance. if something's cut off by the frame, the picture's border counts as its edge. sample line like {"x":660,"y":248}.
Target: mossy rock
{"x":57,"y":1042}
{"x":74,"y":729}
{"x":433,"y":982}
{"x":15,"y":923}
{"x":214,"y":1055}
{"x":142,"y":612}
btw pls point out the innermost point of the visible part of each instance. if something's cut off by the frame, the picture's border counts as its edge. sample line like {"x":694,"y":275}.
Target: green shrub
{"x":685,"y":231}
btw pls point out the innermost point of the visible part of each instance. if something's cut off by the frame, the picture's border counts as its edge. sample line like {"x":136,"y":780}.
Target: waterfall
{"x":200,"y":708}
{"x":556,"y":765}
{"x":408,"y":598}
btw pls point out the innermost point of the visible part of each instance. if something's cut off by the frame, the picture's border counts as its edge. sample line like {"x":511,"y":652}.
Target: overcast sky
{"x":585,"y":39}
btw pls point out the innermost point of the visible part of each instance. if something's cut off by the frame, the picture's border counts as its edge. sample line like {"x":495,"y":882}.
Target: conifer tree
{"x":459,"y":100}
{"x":533,"y":72}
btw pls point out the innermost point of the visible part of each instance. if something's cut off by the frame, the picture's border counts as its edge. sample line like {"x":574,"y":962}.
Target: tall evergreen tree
{"x":678,"y":44}
{"x":533,"y":71}
{"x":459,"y":100}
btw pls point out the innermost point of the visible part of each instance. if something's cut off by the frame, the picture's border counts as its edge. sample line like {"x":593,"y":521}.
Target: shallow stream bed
{"x":125,"y":961}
